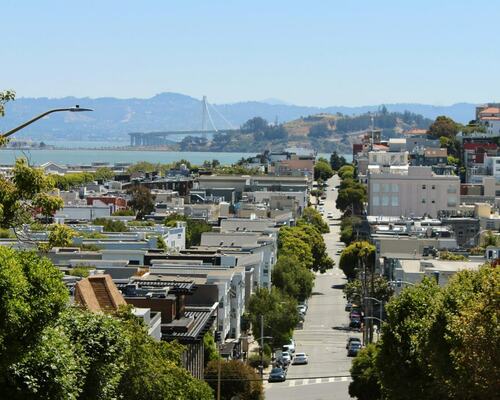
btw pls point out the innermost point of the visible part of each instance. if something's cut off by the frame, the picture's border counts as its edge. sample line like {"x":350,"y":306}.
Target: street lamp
{"x":77,"y":108}
{"x":381,"y":303}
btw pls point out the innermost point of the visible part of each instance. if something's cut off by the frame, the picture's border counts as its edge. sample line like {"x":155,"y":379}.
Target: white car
{"x":300,"y":358}
{"x":289,"y":347}
{"x":286,"y":357}
{"x":330,"y":215}
{"x":302,"y":308}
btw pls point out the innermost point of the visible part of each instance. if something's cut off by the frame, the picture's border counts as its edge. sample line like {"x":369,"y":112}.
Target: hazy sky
{"x":337,"y":52}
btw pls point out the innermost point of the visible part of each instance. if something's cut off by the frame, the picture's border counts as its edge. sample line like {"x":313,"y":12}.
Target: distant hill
{"x":114,"y":118}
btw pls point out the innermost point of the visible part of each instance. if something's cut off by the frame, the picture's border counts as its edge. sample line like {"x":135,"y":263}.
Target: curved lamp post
{"x":77,"y":108}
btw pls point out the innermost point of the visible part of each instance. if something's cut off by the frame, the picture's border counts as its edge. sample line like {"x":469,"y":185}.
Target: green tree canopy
{"x":443,"y":126}
{"x":25,"y":195}
{"x":336,"y":161}
{"x":346,"y":171}
{"x":292,"y":277}
{"x":279,"y":311}
{"x":354,"y":256}
{"x":365,"y":383}
{"x":322,"y":170}
{"x":194,"y":228}
{"x":142,"y":201}
{"x":238,"y":380}
{"x":111,"y":225}
{"x":313,"y":217}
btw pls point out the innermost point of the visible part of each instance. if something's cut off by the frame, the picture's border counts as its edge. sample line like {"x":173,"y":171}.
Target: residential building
{"x":411,"y":192}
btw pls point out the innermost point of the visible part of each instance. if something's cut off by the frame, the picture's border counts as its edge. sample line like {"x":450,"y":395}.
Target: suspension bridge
{"x":139,"y":139}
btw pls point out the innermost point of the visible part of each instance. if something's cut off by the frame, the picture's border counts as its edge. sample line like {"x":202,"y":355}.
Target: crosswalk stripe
{"x":332,"y":379}
{"x":305,"y":381}
{"x":318,"y":380}
{"x":292,"y":383}
{"x":344,"y":379}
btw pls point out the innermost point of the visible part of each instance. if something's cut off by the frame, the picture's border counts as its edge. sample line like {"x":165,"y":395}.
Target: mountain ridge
{"x":113,"y":118}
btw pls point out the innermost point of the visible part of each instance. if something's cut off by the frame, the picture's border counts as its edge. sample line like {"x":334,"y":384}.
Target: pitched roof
{"x":436,"y":152}
{"x":98,"y":294}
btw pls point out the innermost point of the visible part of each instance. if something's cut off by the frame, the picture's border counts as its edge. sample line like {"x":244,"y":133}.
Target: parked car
{"x":352,"y":339}
{"x":348,"y":307}
{"x":339,"y":252}
{"x":353,"y":349}
{"x":329,"y":215}
{"x":300,"y":358}
{"x":355,"y":323}
{"x":286,"y":357}
{"x":289,"y":347}
{"x":277,"y":375}
{"x":302,"y":308}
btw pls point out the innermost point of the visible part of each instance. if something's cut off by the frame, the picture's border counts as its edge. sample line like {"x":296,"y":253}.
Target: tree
{"x":238,"y":380}
{"x":347,"y":227}
{"x":256,"y":124}
{"x":443,"y":126}
{"x":313,"y":217}
{"x":354,"y":256}
{"x":25,"y":195}
{"x":351,"y":195}
{"x":320,"y":131}
{"x":194,"y":228}
{"x":110,"y":225}
{"x":293,"y":278}
{"x":322,"y":170}
{"x":154,"y":371}
{"x":346,"y":171}
{"x":210,"y":348}
{"x":382,"y":290}
{"x":32,"y":295}
{"x":365,"y":383}
{"x":279,"y":311}
{"x":142,"y":201}
{"x":306,"y":242}
{"x":336,"y":161}
{"x":404,"y":374}
{"x":59,"y":236}
{"x":104,"y":174}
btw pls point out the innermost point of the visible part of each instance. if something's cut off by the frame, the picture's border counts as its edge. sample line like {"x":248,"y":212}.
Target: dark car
{"x":353,"y":349}
{"x":277,"y":375}
{"x":352,"y":340}
{"x":355,"y":323}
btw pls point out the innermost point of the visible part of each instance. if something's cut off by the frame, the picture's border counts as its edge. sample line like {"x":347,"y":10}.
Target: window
{"x":423,"y":187}
{"x":395,"y":188}
{"x":433,"y":187}
{"x":376,"y":187}
{"x":452,"y":201}
{"x":376,"y":201}
{"x":385,"y":187}
{"x":423,"y":201}
{"x":395,"y":201}
{"x":385,"y":200}
{"x":452,"y":189}
{"x":433,"y":201}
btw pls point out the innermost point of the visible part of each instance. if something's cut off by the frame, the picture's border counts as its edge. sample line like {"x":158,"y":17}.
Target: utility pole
{"x":365,"y":308}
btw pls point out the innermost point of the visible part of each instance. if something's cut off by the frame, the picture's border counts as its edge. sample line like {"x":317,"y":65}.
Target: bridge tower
{"x":204,"y":113}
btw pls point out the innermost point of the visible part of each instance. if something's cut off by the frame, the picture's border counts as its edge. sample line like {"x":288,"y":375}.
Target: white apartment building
{"x":411,"y":192}
{"x":388,"y":158}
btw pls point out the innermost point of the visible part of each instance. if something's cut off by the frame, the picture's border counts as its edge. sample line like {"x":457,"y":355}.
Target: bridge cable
{"x":222,"y":116}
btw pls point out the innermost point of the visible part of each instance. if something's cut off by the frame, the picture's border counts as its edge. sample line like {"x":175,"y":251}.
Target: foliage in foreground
{"x":49,"y":350}
{"x":237,"y":379}
{"x":437,"y":342}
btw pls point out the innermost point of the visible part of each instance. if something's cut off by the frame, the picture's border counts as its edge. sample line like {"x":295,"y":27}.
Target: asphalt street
{"x":325,"y":331}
